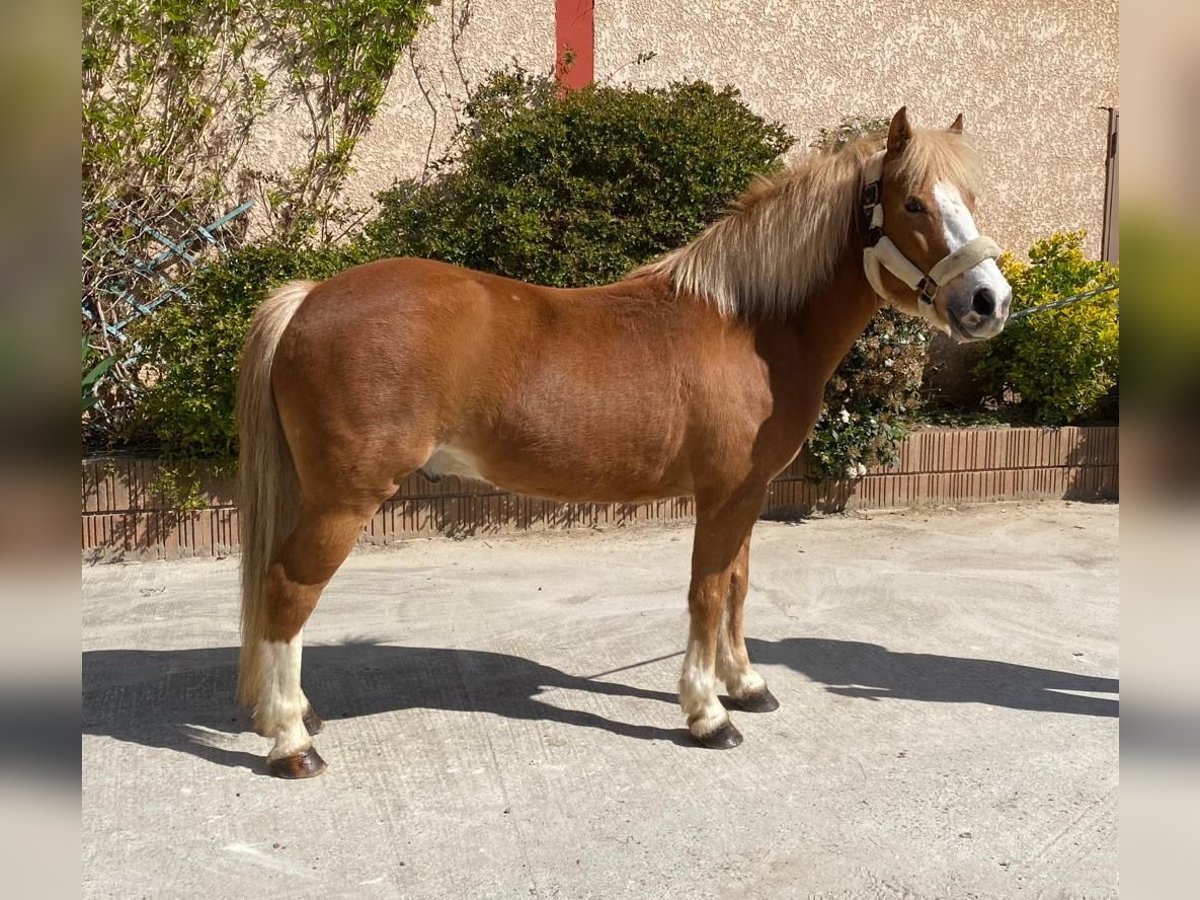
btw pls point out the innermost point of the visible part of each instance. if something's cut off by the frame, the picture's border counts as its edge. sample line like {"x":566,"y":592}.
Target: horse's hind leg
{"x":321,"y":541}
{"x":746,"y":687}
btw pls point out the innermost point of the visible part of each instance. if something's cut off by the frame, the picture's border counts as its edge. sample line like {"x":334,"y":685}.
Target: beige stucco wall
{"x":499,"y":32}
{"x":424,"y":100}
{"x":1030,"y":77}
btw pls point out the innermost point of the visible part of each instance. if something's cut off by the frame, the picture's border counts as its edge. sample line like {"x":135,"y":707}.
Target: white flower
{"x":845,"y":414}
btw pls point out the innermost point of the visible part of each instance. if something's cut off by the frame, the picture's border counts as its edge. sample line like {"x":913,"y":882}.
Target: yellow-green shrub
{"x":1058,"y":365}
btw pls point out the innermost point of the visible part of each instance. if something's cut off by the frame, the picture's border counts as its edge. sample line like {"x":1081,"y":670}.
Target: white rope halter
{"x":880,"y":251}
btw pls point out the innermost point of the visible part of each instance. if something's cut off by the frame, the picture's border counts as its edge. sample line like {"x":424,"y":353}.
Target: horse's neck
{"x":826,"y":327}
{"x":803,"y":352}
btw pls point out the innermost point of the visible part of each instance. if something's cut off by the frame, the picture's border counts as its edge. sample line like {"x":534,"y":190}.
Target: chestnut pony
{"x":700,"y":374}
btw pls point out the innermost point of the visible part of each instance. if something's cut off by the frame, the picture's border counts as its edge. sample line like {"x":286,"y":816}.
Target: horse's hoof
{"x":315,"y":723}
{"x":303,"y":765}
{"x":757,"y":703}
{"x":724,"y":738}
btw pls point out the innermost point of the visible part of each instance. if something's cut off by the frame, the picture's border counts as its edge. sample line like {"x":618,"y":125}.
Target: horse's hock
{"x":124,"y":518}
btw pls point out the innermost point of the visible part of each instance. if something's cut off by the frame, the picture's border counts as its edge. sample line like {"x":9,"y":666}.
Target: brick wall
{"x":125,"y":518}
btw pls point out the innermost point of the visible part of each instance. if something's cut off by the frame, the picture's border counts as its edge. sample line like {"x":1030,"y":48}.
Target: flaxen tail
{"x":267,"y":486}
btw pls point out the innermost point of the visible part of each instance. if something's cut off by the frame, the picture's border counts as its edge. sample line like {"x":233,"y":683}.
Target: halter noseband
{"x":880,"y":251}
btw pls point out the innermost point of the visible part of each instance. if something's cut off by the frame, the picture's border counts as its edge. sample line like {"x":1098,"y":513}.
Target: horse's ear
{"x":899,"y":132}
{"x":956,"y":125}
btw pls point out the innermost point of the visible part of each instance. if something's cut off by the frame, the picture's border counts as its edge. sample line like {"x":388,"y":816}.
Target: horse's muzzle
{"x":979,"y":316}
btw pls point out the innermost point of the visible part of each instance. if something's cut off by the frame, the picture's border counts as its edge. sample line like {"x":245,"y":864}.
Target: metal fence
{"x":134,"y":275}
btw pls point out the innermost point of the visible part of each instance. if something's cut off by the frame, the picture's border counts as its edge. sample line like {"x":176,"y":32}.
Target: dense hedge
{"x":870,"y":397}
{"x":578,"y":190}
{"x":190,"y":348}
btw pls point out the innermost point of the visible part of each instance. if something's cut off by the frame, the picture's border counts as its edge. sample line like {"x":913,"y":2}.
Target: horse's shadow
{"x":183,"y":699}
{"x":869,"y":671}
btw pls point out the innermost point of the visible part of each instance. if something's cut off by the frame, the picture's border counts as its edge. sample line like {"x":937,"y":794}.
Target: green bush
{"x":564,"y":191}
{"x":190,"y":347}
{"x":1058,"y":366}
{"x":873,"y":391}
{"x":578,"y":190}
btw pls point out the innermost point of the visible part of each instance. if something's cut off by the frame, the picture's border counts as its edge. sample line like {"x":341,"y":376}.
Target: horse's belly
{"x":449,"y":460}
{"x":540,"y":476}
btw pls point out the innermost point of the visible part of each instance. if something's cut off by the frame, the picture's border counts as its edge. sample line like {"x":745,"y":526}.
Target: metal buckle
{"x":870,"y":200}
{"x":927,"y":290}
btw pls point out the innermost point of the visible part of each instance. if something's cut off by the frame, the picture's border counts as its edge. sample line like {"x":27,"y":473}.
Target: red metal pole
{"x":575,"y":40}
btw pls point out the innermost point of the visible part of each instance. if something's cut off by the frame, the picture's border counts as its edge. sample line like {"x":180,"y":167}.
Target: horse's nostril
{"x":984,"y":302}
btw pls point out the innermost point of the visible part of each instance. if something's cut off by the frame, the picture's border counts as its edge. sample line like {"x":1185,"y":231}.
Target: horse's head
{"x":924,"y":253}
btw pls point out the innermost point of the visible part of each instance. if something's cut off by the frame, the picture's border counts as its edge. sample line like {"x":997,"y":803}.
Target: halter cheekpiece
{"x":880,"y":251}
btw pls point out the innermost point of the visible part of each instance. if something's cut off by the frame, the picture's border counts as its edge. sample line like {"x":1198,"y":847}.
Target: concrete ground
{"x":501,"y":720}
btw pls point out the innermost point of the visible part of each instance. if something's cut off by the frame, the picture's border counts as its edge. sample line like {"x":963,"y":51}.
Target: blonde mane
{"x":780,"y":241}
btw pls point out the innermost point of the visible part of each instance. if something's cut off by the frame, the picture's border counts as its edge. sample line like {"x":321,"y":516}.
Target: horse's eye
{"x":914,"y":206}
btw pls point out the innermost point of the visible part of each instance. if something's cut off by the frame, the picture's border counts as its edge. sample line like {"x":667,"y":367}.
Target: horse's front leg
{"x":720,"y":534}
{"x":746,"y":687}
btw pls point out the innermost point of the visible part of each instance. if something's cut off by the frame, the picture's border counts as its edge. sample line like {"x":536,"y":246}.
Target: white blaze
{"x":958,"y":228}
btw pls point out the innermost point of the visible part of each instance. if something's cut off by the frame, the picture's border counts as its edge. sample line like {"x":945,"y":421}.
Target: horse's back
{"x":384,"y":301}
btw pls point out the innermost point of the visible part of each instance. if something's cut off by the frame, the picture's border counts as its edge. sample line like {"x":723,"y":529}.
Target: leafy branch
{"x":171,"y":91}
